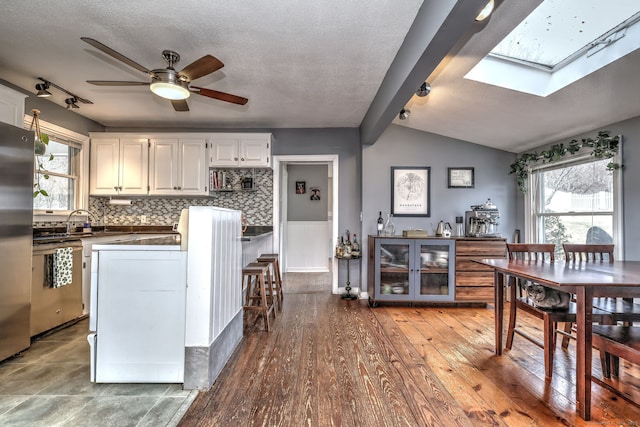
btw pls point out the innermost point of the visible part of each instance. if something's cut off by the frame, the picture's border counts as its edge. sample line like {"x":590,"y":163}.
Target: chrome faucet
{"x":91,"y":216}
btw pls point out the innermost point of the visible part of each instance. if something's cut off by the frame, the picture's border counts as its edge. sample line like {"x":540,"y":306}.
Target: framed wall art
{"x":301,"y":187}
{"x":410,"y":191}
{"x":461,"y":177}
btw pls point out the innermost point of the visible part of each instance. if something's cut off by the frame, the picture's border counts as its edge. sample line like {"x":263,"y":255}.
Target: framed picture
{"x":301,"y":187}
{"x":315,"y":193}
{"x":410,"y":191}
{"x":461,"y":178}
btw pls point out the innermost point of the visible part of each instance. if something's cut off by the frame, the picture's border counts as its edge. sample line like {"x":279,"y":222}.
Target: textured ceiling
{"x":301,"y":64}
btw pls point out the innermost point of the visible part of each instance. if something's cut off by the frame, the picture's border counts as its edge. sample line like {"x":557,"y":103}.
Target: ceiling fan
{"x":167,"y":82}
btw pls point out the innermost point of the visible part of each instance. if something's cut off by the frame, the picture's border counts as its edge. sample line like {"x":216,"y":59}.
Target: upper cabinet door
{"x":134,"y":166}
{"x":193,"y":171}
{"x":224,"y":152}
{"x":255,"y":153}
{"x":104,"y":167}
{"x":163,"y":166}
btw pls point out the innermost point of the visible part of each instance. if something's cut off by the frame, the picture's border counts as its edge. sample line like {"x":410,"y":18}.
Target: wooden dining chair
{"x":614,"y":342}
{"x":620,"y":309}
{"x":537,"y":252}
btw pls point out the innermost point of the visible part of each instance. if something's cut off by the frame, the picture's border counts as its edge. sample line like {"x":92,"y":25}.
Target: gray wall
{"x":400,"y":146}
{"x":300,"y":207}
{"x":630,"y":131}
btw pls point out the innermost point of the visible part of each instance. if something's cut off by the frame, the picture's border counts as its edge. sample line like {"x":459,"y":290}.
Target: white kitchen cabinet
{"x":11,"y":106}
{"x":178,"y":166}
{"x":252,"y":150}
{"x":119,"y":166}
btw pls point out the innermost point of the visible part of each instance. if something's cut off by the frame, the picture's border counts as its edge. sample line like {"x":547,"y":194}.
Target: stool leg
{"x":265,"y":307}
{"x":269,"y":285}
{"x":276,"y":267}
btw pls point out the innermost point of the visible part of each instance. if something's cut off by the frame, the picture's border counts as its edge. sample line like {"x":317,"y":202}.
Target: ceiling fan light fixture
{"x":42,"y":90}
{"x":486,"y":11}
{"x":404,"y":114}
{"x":167,"y":85}
{"x":425,"y":89}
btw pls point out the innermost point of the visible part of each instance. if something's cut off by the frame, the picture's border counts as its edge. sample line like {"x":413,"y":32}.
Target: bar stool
{"x":272,"y":259}
{"x":257,"y":298}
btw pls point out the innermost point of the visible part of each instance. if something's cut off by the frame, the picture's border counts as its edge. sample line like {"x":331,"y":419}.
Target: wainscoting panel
{"x":308,"y":246}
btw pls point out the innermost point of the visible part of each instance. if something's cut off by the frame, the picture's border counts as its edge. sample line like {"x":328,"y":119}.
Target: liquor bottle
{"x":347,"y":249}
{"x":380,"y":224}
{"x":355,"y":247}
{"x":339,"y":248}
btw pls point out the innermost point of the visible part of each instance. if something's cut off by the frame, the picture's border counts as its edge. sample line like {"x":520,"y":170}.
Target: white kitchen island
{"x":162,"y":314}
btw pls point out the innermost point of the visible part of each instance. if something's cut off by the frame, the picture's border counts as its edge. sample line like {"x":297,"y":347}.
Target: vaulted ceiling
{"x":333,"y":63}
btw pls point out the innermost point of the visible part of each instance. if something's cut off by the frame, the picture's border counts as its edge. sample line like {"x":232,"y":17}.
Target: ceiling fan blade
{"x":201,"y":67}
{"x":116,"y":55}
{"x":180,"y":104}
{"x":116,"y":83}
{"x":219,"y":95}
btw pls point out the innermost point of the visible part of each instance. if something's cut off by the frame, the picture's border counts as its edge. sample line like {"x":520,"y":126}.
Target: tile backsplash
{"x":256,"y":205}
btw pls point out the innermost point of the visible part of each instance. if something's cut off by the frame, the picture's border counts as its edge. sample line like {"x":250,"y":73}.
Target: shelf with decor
{"x":223,"y":180}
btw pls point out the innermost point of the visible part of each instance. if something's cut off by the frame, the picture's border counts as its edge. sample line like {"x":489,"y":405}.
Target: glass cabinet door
{"x":394,"y":257}
{"x":436,"y":269}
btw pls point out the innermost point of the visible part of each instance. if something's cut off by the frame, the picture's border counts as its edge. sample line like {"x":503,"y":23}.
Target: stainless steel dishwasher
{"x":51,"y":306}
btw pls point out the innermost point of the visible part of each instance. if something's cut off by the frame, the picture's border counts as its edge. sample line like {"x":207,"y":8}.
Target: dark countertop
{"x":254,"y":232}
{"x":56,"y":235}
{"x":151,"y":241}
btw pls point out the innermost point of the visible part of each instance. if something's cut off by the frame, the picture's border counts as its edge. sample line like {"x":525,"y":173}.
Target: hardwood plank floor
{"x":331,"y":362}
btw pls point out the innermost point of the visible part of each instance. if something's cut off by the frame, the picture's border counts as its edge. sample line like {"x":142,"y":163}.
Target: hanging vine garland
{"x":602,"y":146}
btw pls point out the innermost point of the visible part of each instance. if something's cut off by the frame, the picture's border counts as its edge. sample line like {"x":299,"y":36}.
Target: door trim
{"x":278,"y":163}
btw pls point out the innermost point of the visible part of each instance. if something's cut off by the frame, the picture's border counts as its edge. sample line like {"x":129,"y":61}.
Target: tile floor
{"x":48,"y":385}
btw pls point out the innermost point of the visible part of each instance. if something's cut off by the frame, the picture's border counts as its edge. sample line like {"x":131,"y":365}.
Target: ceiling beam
{"x":438,"y":28}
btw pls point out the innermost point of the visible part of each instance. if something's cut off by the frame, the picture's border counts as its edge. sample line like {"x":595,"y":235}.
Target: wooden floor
{"x":332,"y":362}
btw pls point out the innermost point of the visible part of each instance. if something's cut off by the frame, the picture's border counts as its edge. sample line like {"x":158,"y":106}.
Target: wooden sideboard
{"x":474,"y":281}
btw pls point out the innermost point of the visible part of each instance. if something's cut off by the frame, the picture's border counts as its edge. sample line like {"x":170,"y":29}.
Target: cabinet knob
{"x":242,"y":159}
{"x":235,"y":158}
{"x":175,"y":188}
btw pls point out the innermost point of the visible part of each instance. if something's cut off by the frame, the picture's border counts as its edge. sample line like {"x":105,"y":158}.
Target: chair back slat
{"x":531,"y":251}
{"x":588,"y":252}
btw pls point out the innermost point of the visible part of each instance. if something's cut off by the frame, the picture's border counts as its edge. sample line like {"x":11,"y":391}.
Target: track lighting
{"x":42,"y":90}
{"x":71,"y":102}
{"x":424,"y":90}
{"x":404,"y":114}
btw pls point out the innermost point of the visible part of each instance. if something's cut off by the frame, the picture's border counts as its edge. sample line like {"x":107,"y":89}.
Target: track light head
{"x":42,"y":90}
{"x":404,"y":114}
{"x":425,"y":89}
{"x":71,"y":103}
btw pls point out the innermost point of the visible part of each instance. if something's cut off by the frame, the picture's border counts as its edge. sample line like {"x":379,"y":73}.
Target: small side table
{"x":348,"y":295}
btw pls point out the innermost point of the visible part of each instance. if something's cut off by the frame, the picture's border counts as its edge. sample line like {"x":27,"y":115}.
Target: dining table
{"x":585,"y":280}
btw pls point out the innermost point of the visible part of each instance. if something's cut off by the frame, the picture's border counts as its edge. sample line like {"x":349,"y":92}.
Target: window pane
{"x":585,"y":187}
{"x":577,"y":229}
{"x":61,"y":158}
{"x":61,"y":193}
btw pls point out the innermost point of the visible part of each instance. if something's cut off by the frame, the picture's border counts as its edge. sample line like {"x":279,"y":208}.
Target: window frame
{"x":76,"y":140}
{"x":532,"y":202}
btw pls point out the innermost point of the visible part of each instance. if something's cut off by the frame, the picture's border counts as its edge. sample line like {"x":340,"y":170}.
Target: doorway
{"x":283,"y":192}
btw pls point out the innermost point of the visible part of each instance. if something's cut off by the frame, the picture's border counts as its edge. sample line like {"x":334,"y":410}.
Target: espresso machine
{"x":482,"y":220}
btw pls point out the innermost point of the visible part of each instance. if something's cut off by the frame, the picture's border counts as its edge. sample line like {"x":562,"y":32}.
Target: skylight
{"x":560,"y":42}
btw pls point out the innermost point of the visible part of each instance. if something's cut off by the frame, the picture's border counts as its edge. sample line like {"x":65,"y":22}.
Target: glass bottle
{"x":355,"y":247}
{"x":347,"y":249}
{"x":389,"y":228}
{"x":339,"y":248}
{"x":380,"y":224}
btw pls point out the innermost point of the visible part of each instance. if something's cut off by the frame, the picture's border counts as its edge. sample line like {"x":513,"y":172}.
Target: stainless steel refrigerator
{"x":16,"y":237}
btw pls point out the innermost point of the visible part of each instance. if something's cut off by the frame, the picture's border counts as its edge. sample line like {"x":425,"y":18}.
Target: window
{"x":575,"y":202}
{"x":63,"y":163}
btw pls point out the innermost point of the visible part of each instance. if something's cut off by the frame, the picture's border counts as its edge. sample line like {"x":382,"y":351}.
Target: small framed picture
{"x":301,"y":187}
{"x":461,"y":178}
{"x":315,"y":193}
{"x":410,"y":191}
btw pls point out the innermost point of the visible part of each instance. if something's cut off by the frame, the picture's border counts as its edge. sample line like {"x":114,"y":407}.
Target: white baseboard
{"x":307,"y":270}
